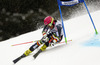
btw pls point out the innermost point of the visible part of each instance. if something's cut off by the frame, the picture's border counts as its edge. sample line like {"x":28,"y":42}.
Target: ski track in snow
{"x":84,"y":48}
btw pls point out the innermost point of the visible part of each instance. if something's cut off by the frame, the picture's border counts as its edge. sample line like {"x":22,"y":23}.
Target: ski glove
{"x":55,"y":39}
{"x":45,"y":39}
{"x":51,"y":44}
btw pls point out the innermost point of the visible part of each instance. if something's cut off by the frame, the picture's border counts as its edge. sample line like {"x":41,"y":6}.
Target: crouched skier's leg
{"x":32,"y":48}
{"x":27,"y":52}
{"x":43,"y":48}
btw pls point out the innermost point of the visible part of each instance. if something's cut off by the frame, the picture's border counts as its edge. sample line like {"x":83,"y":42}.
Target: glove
{"x":45,"y":39}
{"x":55,"y":40}
{"x":51,"y":44}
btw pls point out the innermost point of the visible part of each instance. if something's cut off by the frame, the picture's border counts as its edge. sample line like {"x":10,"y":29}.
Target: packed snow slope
{"x":76,"y":52}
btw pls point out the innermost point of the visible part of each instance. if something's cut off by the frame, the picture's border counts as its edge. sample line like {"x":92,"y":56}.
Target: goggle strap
{"x":51,"y":22}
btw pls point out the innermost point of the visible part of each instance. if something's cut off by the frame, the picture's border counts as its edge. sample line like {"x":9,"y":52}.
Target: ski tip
{"x":34,"y":57}
{"x":14,"y":62}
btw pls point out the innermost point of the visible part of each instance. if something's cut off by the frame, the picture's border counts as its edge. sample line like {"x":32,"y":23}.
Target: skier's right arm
{"x":44,"y":32}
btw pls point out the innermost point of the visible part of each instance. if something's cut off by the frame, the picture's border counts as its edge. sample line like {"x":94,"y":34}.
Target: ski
{"x":34,"y":56}
{"x":16,"y":60}
{"x":19,"y":58}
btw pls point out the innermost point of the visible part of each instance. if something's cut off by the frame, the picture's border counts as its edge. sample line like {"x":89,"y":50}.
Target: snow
{"x":76,"y":52}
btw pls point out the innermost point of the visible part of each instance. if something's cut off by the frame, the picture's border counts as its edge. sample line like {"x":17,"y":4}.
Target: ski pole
{"x":64,"y":41}
{"x":24,"y":43}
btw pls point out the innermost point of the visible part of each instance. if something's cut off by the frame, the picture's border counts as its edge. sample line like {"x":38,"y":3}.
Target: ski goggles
{"x":50,"y":24}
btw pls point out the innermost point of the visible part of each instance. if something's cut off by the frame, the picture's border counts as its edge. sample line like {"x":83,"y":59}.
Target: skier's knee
{"x":36,"y":45}
{"x":43,"y":47}
{"x":27,"y":52}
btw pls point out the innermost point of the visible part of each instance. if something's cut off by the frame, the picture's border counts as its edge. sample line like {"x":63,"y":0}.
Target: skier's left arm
{"x":57,"y":35}
{"x":45,"y":30}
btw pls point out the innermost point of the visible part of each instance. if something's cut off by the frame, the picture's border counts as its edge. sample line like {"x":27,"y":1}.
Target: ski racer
{"x":52,"y":34}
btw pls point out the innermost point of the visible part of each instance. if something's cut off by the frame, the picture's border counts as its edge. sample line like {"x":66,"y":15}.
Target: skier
{"x":52,"y":34}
